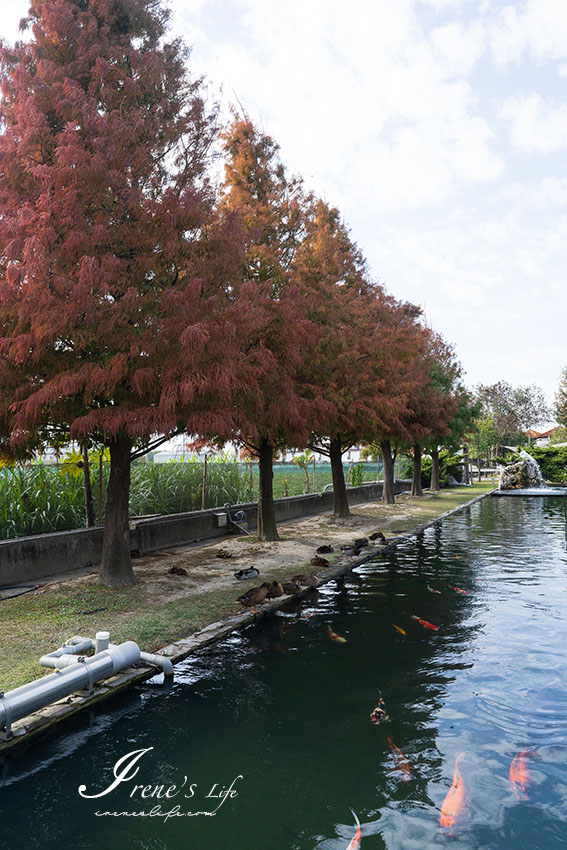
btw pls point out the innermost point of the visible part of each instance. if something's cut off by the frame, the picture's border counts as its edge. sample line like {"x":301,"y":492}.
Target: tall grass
{"x":176,"y":486}
{"x":38,"y":499}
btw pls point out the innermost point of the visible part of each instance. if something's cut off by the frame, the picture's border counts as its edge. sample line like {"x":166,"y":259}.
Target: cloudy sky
{"x":439,"y":129}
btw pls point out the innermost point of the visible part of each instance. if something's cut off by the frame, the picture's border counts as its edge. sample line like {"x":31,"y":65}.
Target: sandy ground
{"x":206,"y":571}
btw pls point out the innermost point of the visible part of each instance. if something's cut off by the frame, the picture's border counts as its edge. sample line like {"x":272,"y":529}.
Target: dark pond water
{"x":288,"y":710}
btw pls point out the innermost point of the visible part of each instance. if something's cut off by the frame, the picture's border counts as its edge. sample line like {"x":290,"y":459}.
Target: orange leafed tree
{"x":433,"y":402}
{"x":116,"y":315}
{"x":366,"y":340}
{"x":271,"y":206}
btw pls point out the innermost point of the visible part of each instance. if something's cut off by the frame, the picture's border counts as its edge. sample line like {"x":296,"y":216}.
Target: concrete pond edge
{"x":27,"y":730}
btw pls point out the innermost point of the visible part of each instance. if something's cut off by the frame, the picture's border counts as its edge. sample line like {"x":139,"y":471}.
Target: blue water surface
{"x":271,"y":728}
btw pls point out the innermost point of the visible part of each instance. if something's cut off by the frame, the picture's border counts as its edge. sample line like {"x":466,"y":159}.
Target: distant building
{"x":541,"y":438}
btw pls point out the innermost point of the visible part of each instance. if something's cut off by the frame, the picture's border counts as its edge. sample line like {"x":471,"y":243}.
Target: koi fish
{"x":334,"y":636}
{"x":424,"y":623}
{"x":400,"y":760}
{"x":432,"y":590}
{"x":455,"y":804}
{"x":520,"y":775}
{"x":459,"y":589}
{"x":399,"y":629}
{"x":378,"y":714}
{"x":355,"y":840}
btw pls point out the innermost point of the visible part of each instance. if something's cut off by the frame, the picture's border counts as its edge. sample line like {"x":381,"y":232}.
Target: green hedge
{"x":552,"y":461}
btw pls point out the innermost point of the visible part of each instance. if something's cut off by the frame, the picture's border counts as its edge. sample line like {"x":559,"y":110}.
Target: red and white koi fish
{"x":432,"y":590}
{"x":334,"y":636}
{"x":455,"y":805}
{"x":520,"y":775}
{"x":459,"y":589}
{"x":355,"y":840}
{"x":399,"y":629}
{"x":424,"y":623}
{"x":400,"y":760}
{"x":378,"y":715}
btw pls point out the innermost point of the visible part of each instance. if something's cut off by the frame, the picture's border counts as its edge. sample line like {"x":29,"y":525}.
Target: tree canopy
{"x":138,"y":300}
{"x":512,"y":409}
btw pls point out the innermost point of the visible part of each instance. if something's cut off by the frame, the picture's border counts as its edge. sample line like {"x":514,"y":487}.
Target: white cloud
{"x":536,"y":125}
{"x":537,"y":196}
{"x":460,"y":45}
{"x":537,"y":28}
{"x":360,"y":97}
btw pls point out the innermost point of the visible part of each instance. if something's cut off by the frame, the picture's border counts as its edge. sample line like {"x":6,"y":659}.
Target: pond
{"x":271,"y":728}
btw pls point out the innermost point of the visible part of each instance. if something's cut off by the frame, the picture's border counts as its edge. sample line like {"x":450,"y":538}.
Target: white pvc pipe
{"x":158,"y":661}
{"x":67,"y":654}
{"x":101,"y":641}
{"x":28,"y":698}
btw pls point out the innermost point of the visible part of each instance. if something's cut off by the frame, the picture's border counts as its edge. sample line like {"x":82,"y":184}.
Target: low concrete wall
{"x":29,"y":559}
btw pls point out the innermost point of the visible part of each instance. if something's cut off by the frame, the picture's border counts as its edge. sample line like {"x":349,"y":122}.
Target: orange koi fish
{"x":520,"y":775}
{"x":455,"y":805}
{"x":355,"y":840}
{"x":459,"y":589}
{"x":424,"y":623}
{"x":400,"y":760}
{"x":399,"y":629}
{"x":334,"y":636}
{"x":432,"y":590}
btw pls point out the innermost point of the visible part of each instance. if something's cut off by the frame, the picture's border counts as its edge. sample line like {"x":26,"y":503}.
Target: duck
{"x":312,"y":580}
{"x":377,"y":535}
{"x":275,"y":588}
{"x":307,"y":580}
{"x":324,"y":550}
{"x":291,"y":587}
{"x":254,"y":596}
{"x":316,"y":561}
{"x":351,"y":549}
{"x":178,"y":571}
{"x":361,"y":542}
{"x":249,"y":573}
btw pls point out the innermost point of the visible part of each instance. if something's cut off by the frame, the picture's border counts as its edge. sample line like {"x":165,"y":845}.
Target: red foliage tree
{"x":116,"y":315}
{"x":364,"y":344}
{"x":433,"y":403}
{"x":271,"y":207}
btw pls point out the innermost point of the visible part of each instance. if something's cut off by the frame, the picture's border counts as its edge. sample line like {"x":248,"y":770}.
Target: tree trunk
{"x":89,"y":507}
{"x":100,"y":487}
{"x":204,"y":485}
{"x":416,"y":482}
{"x":466,"y":473}
{"x":388,"y":461}
{"x":340,"y":499}
{"x":435,"y":479}
{"x":267,"y":528}
{"x":116,"y":567}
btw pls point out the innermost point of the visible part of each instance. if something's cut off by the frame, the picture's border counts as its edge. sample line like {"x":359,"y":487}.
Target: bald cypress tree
{"x":115,"y":321}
